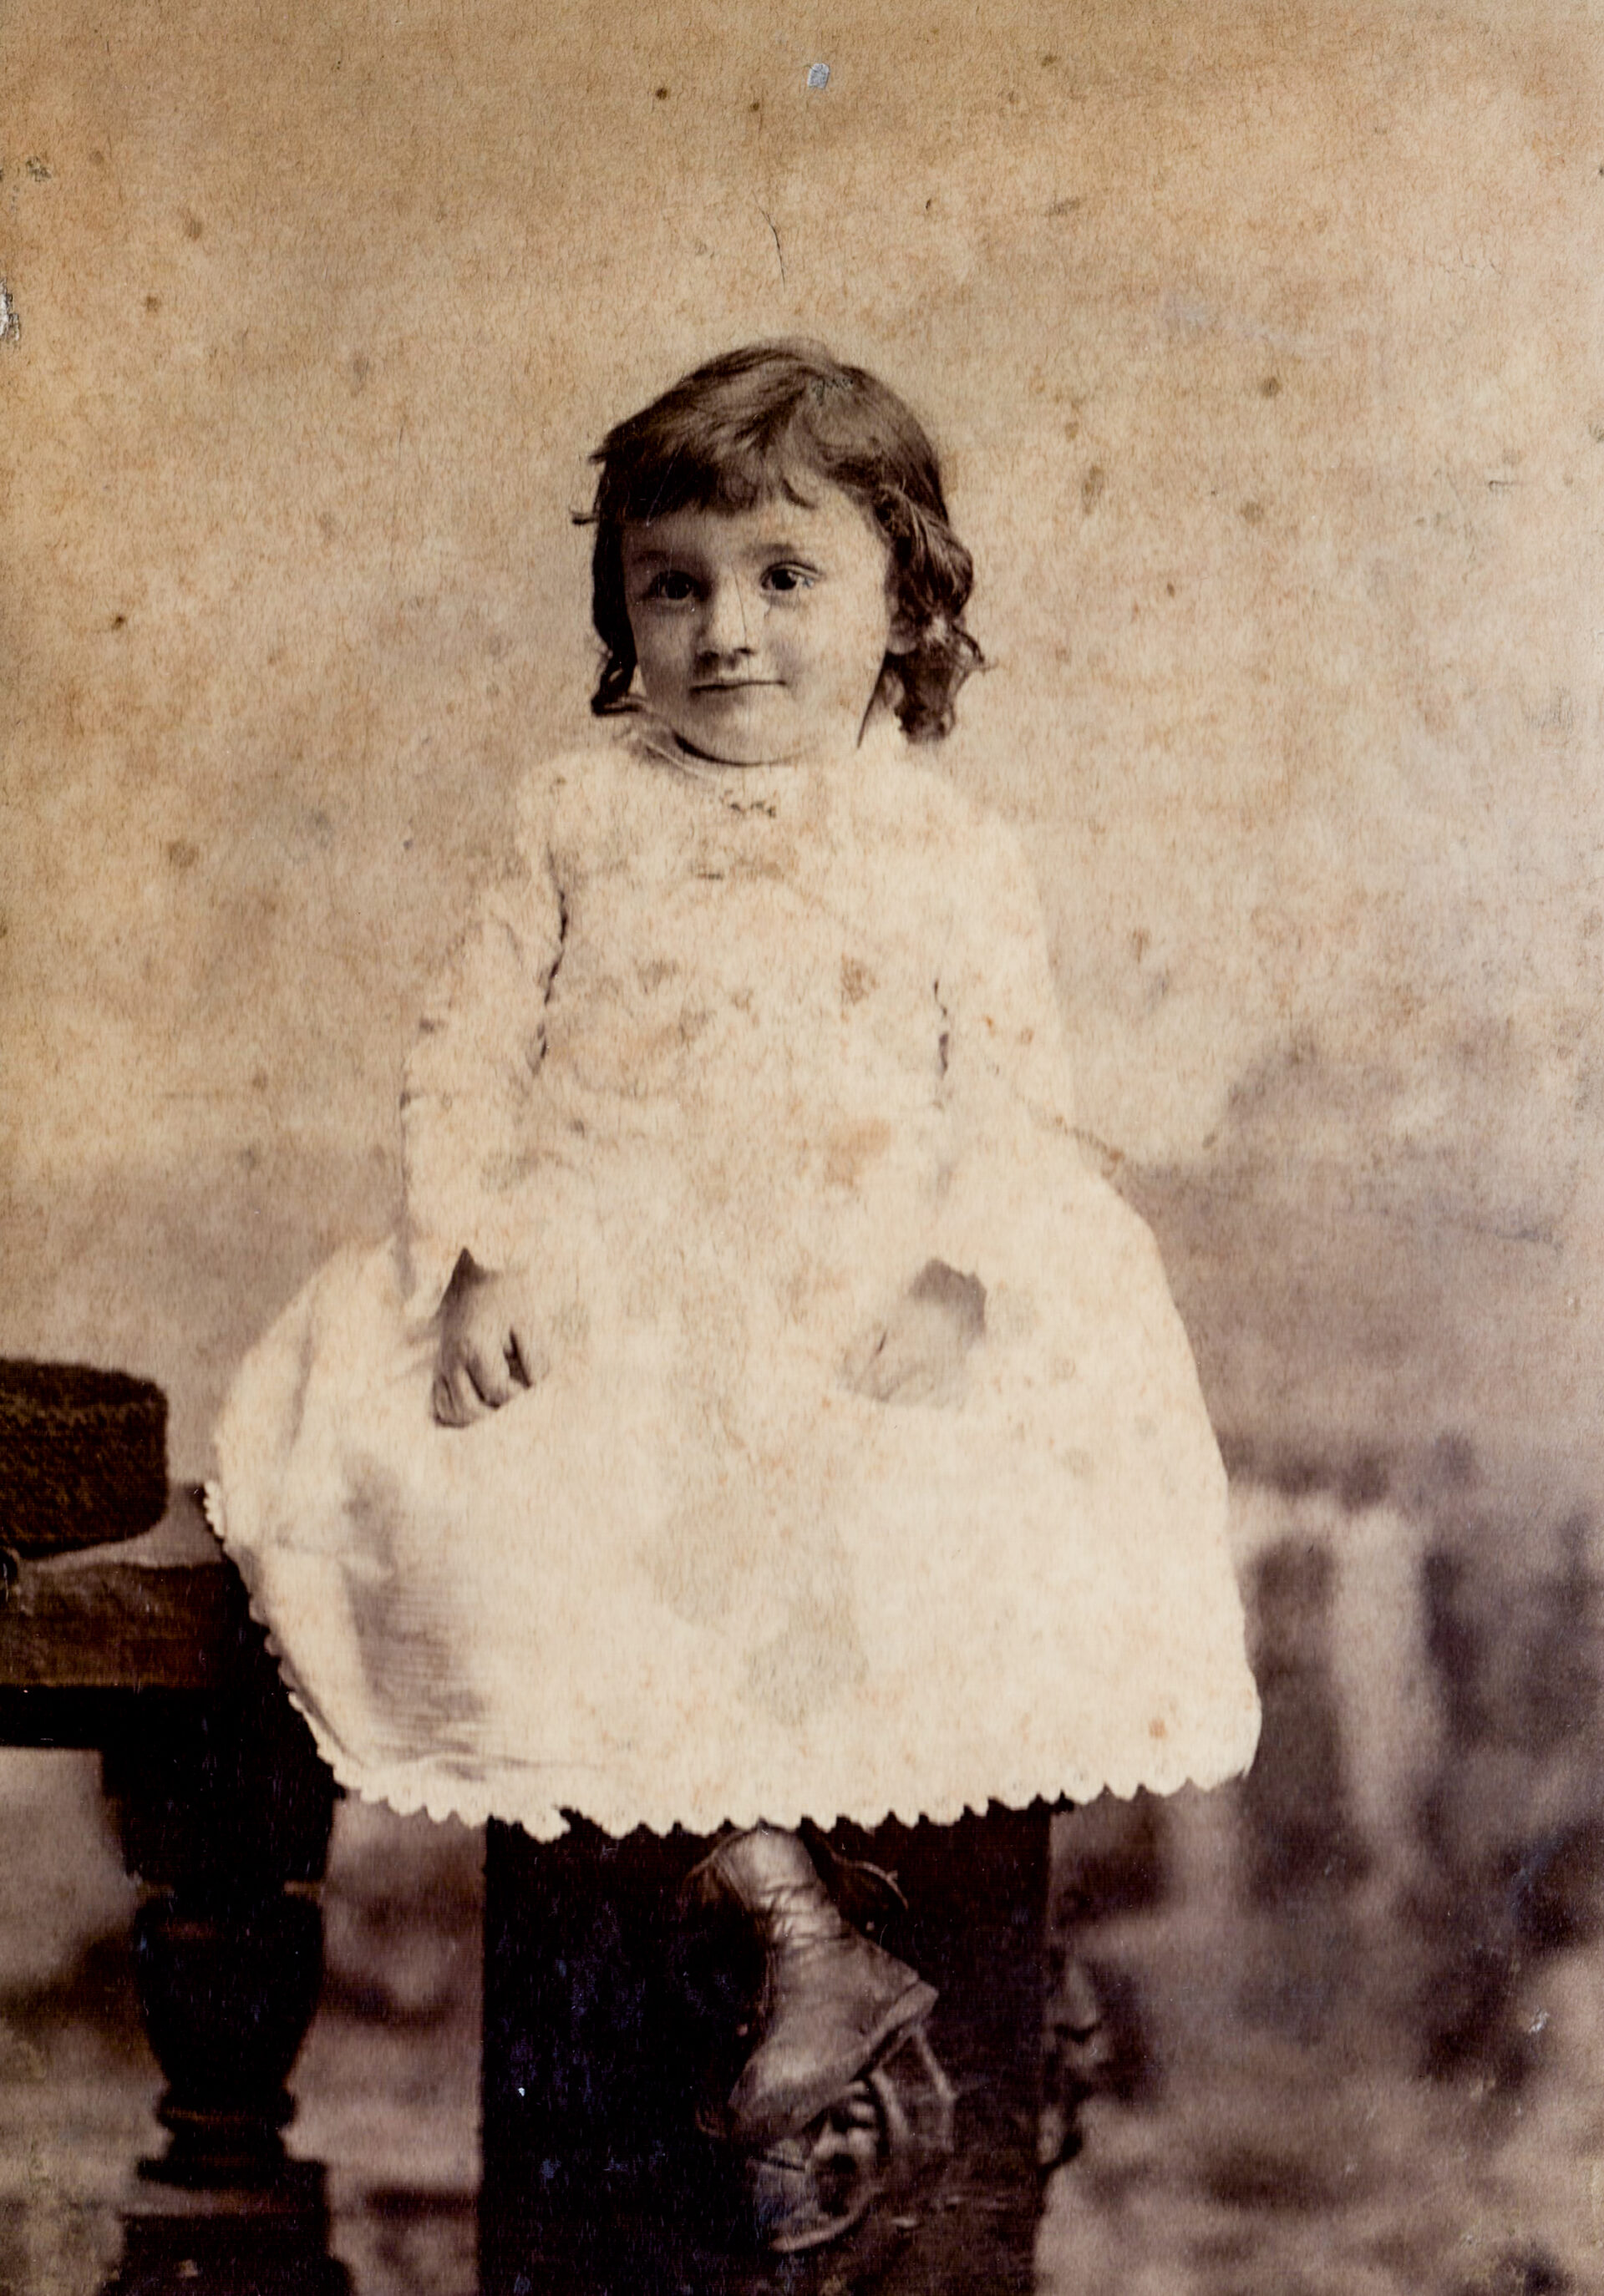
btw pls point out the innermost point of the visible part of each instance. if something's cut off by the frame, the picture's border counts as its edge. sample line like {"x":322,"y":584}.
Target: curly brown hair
{"x":753,"y":424}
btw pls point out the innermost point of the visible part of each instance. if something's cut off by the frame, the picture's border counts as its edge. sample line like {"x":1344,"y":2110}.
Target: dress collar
{"x":751,"y":789}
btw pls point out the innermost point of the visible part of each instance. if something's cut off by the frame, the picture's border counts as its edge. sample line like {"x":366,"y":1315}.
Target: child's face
{"x":761,"y":633}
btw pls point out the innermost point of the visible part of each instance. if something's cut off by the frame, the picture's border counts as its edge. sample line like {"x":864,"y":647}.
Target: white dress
{"x":730,"y":1057}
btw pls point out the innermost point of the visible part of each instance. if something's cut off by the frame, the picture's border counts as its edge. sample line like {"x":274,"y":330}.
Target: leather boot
{"x":832,"y":2002}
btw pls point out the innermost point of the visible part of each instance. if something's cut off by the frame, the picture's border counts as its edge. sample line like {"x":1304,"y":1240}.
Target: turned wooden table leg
{"x":227,"y":1989}
{"x":225,"y":1811}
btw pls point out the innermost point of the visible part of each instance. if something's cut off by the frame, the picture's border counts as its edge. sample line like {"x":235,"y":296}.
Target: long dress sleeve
{"x":471,"y":1074}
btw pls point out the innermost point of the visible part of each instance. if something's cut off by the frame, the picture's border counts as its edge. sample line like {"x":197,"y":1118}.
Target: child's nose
{"x":725,"y":625}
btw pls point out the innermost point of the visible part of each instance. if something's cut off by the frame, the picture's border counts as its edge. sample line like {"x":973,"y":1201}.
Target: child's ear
{"x":904,"y":635}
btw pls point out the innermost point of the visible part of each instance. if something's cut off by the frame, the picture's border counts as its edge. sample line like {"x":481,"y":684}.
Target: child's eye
{"x":787,"y":579}
{"x":673,"y":585}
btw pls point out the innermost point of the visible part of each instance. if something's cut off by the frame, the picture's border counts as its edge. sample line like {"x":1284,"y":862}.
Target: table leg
{"x":224,"y":1811}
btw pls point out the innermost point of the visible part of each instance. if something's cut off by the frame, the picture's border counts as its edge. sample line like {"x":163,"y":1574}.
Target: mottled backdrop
{"x":1264,"y":345}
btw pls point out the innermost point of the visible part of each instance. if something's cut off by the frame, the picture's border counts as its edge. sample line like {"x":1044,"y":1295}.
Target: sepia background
{"x":1264,"y":348}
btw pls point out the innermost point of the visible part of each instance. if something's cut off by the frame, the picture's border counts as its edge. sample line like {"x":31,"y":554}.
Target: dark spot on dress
{"x":856,"y":980}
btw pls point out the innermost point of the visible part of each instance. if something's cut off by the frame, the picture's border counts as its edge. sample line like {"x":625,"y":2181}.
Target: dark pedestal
{"x":595,"y":2184}
{"x":238,"y":2242}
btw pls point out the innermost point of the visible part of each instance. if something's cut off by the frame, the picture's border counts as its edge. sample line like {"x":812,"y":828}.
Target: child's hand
{"x":490,"y":1344}
{"x":917,"y":1355}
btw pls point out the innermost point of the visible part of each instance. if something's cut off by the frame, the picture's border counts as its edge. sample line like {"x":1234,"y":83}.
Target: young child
{"x":764,"y":1412}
